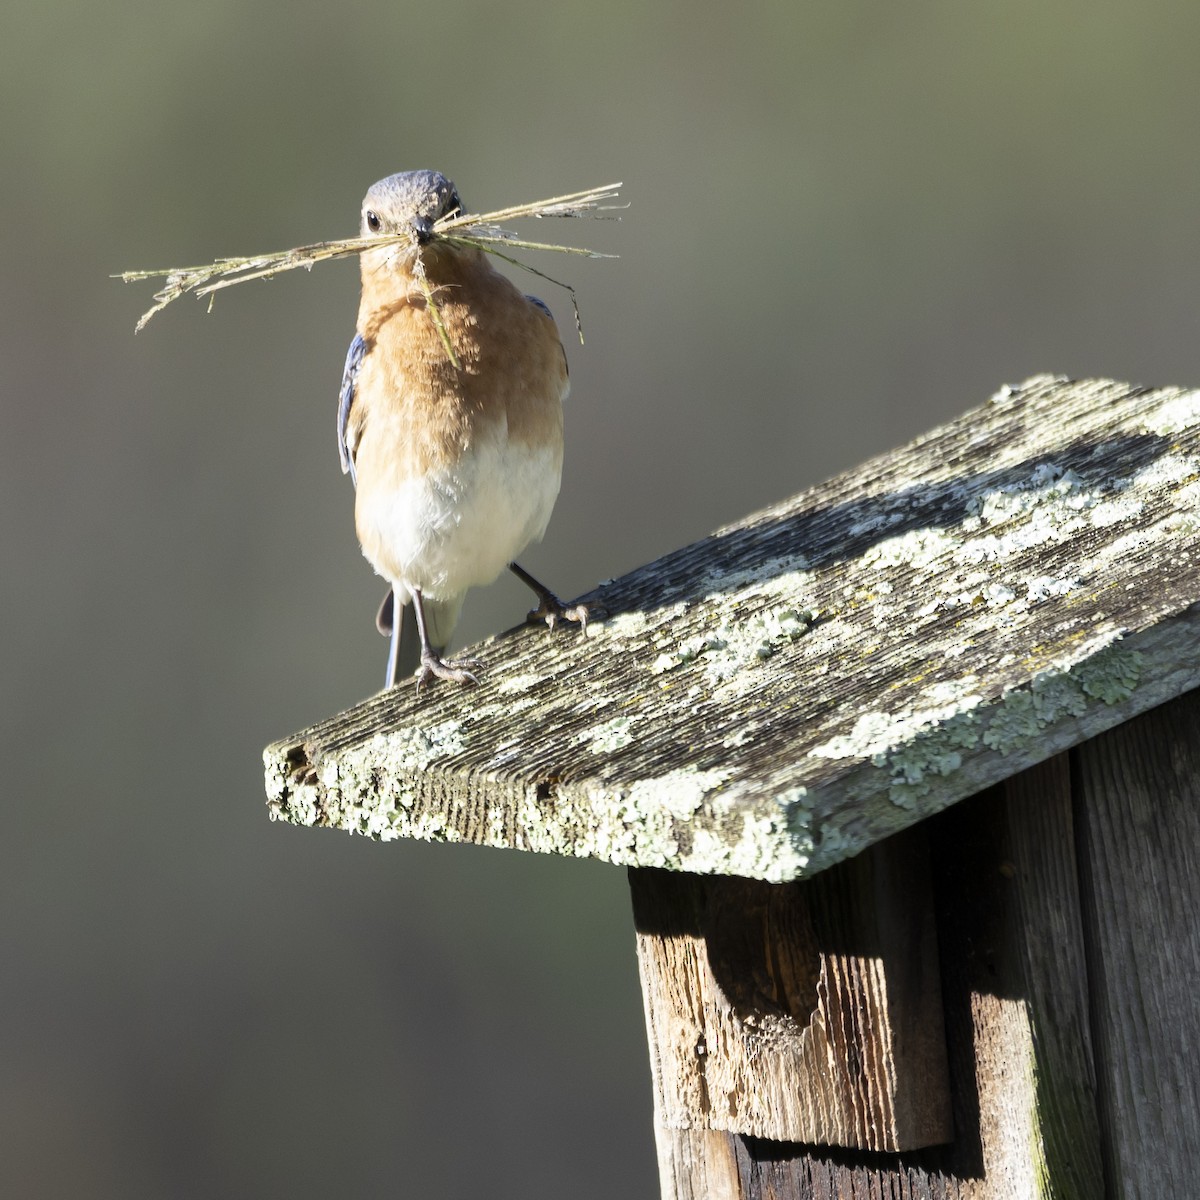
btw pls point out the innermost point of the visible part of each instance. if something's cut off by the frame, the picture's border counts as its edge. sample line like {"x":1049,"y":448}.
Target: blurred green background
{"x":849,"y":222}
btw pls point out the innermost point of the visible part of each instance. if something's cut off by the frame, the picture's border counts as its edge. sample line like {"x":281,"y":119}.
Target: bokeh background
{"x":849,"y":222}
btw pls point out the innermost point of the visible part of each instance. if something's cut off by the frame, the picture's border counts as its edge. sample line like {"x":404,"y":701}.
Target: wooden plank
{"x":1010,"y":939}
{"x":698,"y":1164}
{"x":1139,"y":816}
{"x":1012,"y":942}
{"x":1046,"y":958}
{"x":798,"y":686}
{"x":798,"y":1012}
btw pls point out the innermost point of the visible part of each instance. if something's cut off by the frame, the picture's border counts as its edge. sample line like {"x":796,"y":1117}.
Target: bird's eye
{"x":374,"y":224}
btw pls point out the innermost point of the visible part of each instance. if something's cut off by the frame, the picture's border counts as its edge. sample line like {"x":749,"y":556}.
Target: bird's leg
{"x":394,"y":644}
{"x":397,"y":621}
{"x":433,"y":666}
{"x":550,"y":608}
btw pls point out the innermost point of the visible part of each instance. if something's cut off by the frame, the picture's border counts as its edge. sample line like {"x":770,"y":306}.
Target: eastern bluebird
{"x":456,"y":468}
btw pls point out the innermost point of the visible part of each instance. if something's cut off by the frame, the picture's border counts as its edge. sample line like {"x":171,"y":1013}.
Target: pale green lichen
{"x":518,"y":683}
{"x":635,"y":825}
{"x":496,"y":825}
{"x":877,"y":732}
{"x":919,"y":747}
{"x":1042,"y":587}
{"x":689,"y":820}
{"x":677,"y":794}
{"x":738,"y":736}
{"x":609,"y":736}
{"x":1176,"y":415}
{"x":915,"y":747}
{"x":427,"y":827}
{"x":1046,"y":484}
{"x":740,"y":631}
{"x":779,"y":576}
{"x":738,"y":643}
{"x":687,"y":652}
{"x":933,"y":753}
{"x":835,"y":844}
{"x":1055,"y":695}
{"x":1169,"y":471}
{"x":1055,"y":505}
{"x":745,"y":838}
{"x":1109,"y":674}
{"x":917,"y":548}
{"x":1049,"y":507}
{"x":765,"y":849}
{"x":414,"y":747}
{"x":996,"y":595}
{"x":369,"y":788}
{"x":1012,"y":723}
{"x":1052,"y":505}
{"x":1112,"y":512}
{"x":1112,"y":675}
{"x":1186,"y":523}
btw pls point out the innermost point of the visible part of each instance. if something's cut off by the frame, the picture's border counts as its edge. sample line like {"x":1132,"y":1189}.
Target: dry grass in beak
{"x":482,"y":230}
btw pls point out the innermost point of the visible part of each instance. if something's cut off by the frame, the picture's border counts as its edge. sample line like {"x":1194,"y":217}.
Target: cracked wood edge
{"x":797,"y":1012}
{"x":779,"y":696}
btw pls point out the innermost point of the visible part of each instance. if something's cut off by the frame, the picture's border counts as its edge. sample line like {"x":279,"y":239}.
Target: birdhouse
{"x":906,"y":773}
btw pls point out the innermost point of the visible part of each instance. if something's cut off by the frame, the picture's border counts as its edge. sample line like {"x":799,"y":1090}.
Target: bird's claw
{"x":433,"y":666}
{"x":552,"y":610}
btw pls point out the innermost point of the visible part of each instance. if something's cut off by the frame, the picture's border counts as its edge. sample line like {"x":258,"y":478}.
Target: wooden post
{"x":1013,"y":979}
{"x":796,"y":1012}
{"x":1138,"y":791}
{"x":913,"y":851}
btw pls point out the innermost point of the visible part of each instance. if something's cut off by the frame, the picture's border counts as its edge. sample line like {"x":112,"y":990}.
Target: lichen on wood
{"x":795,"y":687}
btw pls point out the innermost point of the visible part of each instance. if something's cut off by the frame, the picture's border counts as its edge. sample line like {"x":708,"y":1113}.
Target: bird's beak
{"x":423,"y":228}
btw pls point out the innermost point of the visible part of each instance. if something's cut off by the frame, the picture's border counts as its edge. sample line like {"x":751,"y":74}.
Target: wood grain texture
{"x":798,"y":1012}
{"x":793,"y":688}
{"x":1045,"y":957}
{"x":1011,"y":933}
{"x":1010,"y":943}
{"x":698,"y":1164}
{"x":1138,"y":808}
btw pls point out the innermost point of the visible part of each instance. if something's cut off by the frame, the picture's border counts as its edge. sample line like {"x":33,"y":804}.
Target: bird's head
{"x":410,"y":202}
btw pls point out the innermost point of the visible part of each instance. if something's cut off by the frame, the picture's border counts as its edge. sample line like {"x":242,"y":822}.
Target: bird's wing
{"x":354,"y":358}
{"x":538,"y":302}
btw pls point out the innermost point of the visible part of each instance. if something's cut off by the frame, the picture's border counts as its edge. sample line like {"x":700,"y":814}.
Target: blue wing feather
{"x":354,"y":358}
{"x":537,"y":302}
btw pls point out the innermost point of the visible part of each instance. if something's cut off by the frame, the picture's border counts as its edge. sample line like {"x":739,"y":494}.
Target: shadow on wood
{"x":914,"y":851}
{"x":799,"y":1012}
{"x":787,"y":692}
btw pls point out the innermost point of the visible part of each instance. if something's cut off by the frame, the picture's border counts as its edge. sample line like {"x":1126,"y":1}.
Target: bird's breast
{"x":458,"y":467}
{"x":422,"y":409}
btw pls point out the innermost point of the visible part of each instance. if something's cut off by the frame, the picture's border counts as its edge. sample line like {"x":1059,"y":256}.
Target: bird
{"x":456,"y":460}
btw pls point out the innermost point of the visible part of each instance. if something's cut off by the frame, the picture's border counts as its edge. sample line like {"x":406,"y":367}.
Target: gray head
{"x":411,"y":200}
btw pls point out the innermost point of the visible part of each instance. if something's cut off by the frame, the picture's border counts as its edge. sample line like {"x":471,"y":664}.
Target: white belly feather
{"x":459,"y":527}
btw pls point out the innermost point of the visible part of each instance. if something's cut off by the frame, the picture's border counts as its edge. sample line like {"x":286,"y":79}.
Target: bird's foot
{"x":433,"y":666}
{"x":552,"y":610}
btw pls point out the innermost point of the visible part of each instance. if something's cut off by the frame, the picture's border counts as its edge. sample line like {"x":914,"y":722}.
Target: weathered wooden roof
{"x":793,"y":688}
